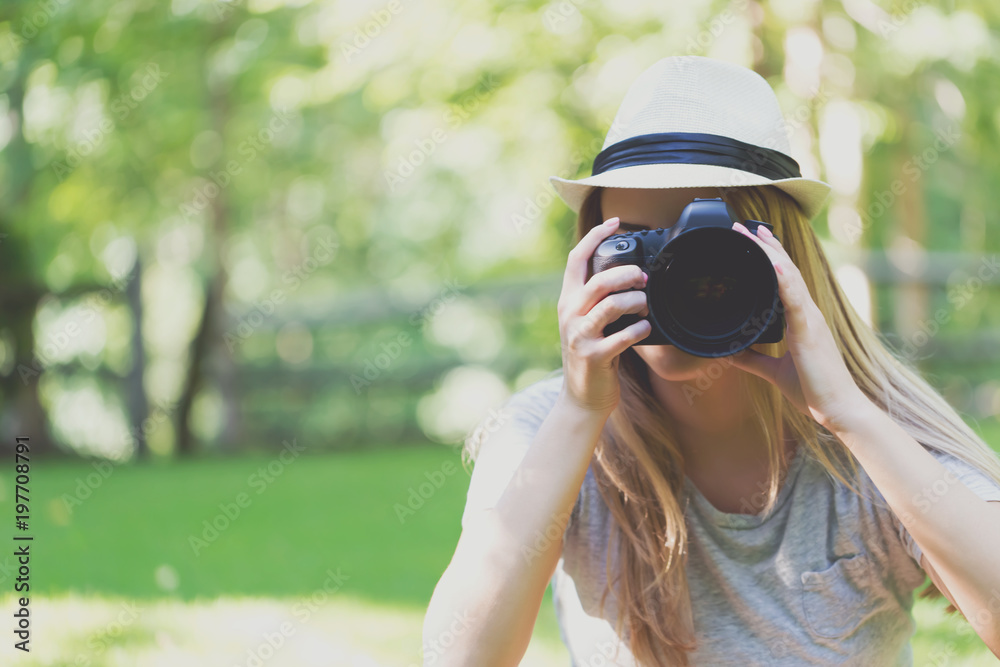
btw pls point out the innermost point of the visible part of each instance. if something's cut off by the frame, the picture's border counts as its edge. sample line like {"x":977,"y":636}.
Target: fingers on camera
{"x":614,"y":306}
{"x":620,"y":341}
{"x":615,"y":279}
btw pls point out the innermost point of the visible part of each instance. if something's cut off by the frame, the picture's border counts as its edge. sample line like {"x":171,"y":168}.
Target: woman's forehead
{"x":651,"y":207}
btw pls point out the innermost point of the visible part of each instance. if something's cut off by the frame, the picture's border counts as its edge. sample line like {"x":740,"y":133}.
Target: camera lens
{"x":715,"y":292}
{"x":710,"y":300}
{"x":621,"y":245}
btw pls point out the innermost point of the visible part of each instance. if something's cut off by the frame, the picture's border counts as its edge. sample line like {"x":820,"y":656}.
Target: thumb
{"x":758,"y":363}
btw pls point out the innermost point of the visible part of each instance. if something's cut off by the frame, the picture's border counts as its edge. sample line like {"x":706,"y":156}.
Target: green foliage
{"x":222,"y":142}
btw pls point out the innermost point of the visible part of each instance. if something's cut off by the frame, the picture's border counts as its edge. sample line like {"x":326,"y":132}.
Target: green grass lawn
{"x":319,"y":546}
{"x":313,"y":524}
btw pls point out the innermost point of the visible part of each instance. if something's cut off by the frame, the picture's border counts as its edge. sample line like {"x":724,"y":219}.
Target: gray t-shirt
{"x":827,"y":578}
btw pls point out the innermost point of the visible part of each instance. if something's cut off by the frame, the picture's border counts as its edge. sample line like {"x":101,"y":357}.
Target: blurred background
{"x":264,"y":263}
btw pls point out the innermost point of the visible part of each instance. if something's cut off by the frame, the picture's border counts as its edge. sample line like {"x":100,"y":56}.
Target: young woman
{"x":778,"y":506}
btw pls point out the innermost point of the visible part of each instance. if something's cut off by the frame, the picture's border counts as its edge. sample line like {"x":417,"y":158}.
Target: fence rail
{"x":268,"y":393}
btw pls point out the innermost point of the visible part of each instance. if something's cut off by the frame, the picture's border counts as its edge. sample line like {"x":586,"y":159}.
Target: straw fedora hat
{"x":691,"y":121}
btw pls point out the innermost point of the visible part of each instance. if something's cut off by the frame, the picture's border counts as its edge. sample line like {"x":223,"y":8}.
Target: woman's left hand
{"x":812,"y":373}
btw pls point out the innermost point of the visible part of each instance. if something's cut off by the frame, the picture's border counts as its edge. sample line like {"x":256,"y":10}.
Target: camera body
{"x":712,"y":292}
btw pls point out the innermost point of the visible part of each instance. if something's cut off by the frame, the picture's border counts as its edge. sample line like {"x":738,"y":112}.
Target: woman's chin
{"x":672,"y":364}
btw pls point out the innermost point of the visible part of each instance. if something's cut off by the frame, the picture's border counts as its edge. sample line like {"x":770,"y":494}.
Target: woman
{"x":776,"y":506}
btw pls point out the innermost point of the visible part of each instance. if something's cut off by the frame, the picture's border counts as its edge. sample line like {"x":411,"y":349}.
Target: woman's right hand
{"x":590,"y":360}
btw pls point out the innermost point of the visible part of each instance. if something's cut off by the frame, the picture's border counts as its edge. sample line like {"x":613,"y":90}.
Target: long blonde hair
{"x":639,"y":468}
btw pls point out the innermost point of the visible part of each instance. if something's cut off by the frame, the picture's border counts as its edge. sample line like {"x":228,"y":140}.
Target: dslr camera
{"x":712,"y":292}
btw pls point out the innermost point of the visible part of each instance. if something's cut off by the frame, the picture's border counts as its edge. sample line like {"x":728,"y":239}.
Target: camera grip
{"x":599,"y":263}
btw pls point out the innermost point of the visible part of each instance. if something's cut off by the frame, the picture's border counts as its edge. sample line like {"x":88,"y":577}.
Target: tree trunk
{"x":20,"y":289}
{"x":199,"y":350}
{"x":912,"y":298}
{"x":138,"y":406}
{"x":206,"y":342}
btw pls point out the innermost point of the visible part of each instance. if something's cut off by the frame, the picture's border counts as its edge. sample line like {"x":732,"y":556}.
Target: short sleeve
{"x":975,"y":479}
{"x":498,"y":458}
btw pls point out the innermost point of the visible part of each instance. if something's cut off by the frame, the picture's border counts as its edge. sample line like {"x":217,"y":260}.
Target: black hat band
{"x":696,"y":148}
